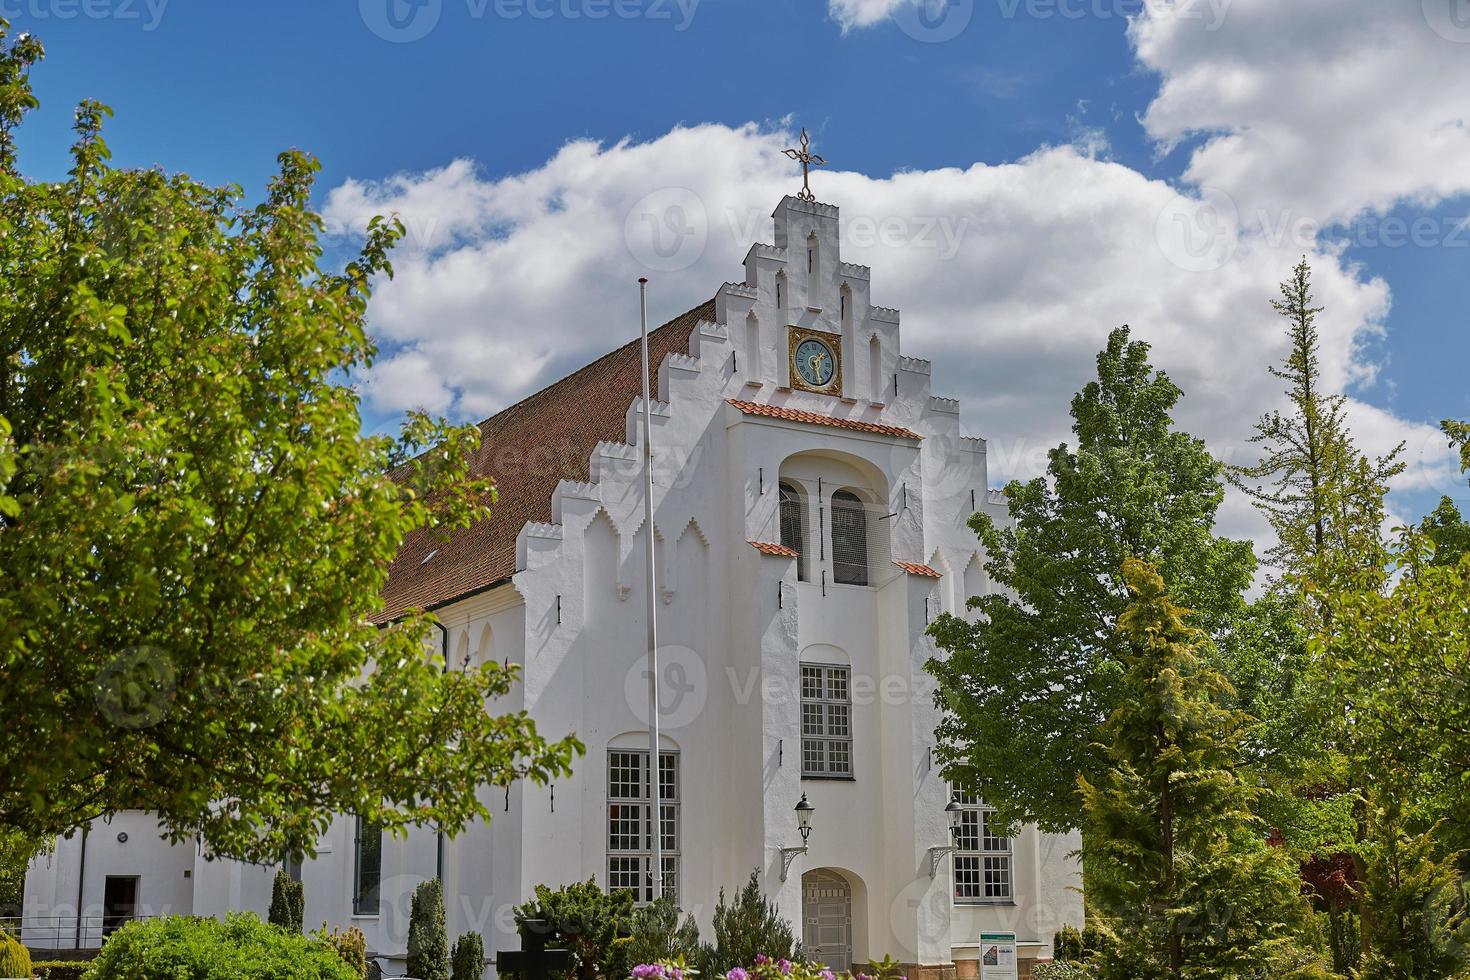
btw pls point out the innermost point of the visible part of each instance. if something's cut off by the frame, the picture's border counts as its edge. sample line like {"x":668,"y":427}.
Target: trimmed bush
{"x":15,"y":961}
{"x":428,"y":943}
{"x":469,"y":957}
{"x":288,"y":903}
{"x":59,"y":969}
{"x":350,"y":945}
{"x":240,"y":948}
{"x":1067,"y":945}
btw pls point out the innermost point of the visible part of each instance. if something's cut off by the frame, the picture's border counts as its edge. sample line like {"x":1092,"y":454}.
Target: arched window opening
{"x":792,"y":527}
{"x":849,"y":539}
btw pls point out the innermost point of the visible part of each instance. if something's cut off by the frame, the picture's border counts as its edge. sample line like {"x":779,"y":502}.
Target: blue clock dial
{"x":815,"y":363}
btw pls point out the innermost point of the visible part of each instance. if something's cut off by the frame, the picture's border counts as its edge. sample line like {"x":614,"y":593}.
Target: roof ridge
{"x":653,"y":368}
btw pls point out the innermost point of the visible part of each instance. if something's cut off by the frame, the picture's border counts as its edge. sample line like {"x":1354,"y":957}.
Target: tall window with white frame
{"x":630,"y":823}
{"x":982,"y":859}
{"x":367,"y":867}
{"x":826,"y":721}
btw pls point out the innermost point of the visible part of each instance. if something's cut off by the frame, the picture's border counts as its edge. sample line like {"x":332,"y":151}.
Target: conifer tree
{"x":1323,"y":497}
{"x":1423,"y":923}
{"x":288,"y":903}
{"x":1189,"y":882}
{"x":428,"y":943}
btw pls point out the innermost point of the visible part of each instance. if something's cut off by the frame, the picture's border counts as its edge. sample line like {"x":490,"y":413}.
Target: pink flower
{"x":784,"y":966}
{"x":761,"y":959}
{"x":737,"y":974}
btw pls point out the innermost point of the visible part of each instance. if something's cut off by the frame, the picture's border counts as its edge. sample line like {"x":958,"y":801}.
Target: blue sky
{"x":217,"y":90}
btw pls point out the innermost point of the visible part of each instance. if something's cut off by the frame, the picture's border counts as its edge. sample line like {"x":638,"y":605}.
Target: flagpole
{"x":654,"y":769}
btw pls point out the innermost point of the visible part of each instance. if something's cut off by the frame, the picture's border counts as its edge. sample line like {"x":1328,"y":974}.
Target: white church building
{"x":810,"y":507}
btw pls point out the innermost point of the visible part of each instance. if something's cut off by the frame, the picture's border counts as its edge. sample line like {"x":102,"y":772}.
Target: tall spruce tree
{"x":1323,"y":497}
{"x":1026,"y":685}
{"x":1189,"y":882}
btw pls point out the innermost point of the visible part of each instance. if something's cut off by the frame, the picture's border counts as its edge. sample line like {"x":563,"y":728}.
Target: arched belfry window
{"x":849,"y":539}
{"x":792,"y":527}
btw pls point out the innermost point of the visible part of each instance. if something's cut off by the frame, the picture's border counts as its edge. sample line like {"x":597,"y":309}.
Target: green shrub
{"x":745,"y":929}
{"x":469,"y":957}
{"x":59,"y":969}
{"x":1067,"y":945}
{"x":428,"y":943}
{"x":288,"y":903}
{"x":1060,"y":970}
{"x":594,"y":925}
{"x":658,"y":935}
{"x":240,"y":948}
{"x":350,"y":945}
{"x":15,"y":961}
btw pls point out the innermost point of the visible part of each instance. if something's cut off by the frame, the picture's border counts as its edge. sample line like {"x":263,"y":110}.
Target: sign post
{"x":998,"y":956}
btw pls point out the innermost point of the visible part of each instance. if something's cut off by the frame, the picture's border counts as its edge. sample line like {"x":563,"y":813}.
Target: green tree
{"x":1423,"y":922}
{"x":428,"y":943}
{"x":1449,"y":531}
{"x":1026,"y":686}
{"x":288,"y":903}
{"x":748,"y":926}
{"x":1190,"y":884}
{"x":595,"y":925}
{"x":194,"y":532}
{"x":1318,"y":491}
{"x":660,"y":936}
{"x":469,"y":957}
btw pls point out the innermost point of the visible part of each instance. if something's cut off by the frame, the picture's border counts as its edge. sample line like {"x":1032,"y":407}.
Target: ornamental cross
{"x":808,"y":160}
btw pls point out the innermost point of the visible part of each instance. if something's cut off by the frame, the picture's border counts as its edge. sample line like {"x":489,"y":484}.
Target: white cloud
{"x":1315,"y":109}
{"x":863,"y":13}
{"x":1009,"y":276}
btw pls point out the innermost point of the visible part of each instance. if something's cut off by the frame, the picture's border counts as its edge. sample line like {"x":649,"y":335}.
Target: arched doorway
{"x":826,"y":919}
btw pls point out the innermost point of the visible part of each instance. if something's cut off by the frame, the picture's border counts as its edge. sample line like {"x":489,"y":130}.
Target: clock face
{"x":815,"y":362}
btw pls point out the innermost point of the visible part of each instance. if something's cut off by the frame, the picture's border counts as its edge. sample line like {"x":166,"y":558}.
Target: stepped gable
{"x":528,"y":449}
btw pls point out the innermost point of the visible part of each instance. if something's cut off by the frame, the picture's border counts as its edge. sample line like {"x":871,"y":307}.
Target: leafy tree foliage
{"x":428,"y":943}
{"x":593,"y":924}
{"x":1448,"y":530}
{"x":1026,"y":686}
{"x":1194,"y":889}
{"x":194,"y":532}
{"x":288,"y":902}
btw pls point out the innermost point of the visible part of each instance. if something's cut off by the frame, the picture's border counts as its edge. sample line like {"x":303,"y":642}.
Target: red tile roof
{"x":914,"y":568}
{"x":528,"y":448}
{"x":813,"y":418}
{"x":776,"y":550}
